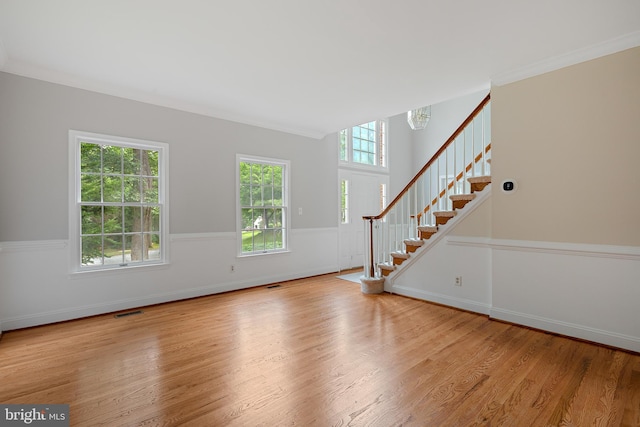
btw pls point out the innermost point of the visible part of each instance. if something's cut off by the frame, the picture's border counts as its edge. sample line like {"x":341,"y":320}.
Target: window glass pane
{"x":150,"y":189}
{"x":344,"y":201}
{"x":267,"y":194}
{"x":113,"y":249}
{"x":155,"y":219}
{"x":91,"y":250}
{"x":136,"y":245}
{"x":258,"y":241}
{"x":154,"y":247}
{"x":267,"y":175}
{"x":245,"y":195}
{"x":131,"y":189}
{"x":132,"y":219}
{"x":90,"y":158}
{"x":277,"y":196}
{"x":91,"y":219}
{"x":256,"y":174}
{"x":259,"y":218}
{"x":131,"y":160}
{"x":256,"y":196}
{"x":113,"y":219}
{"x":278,"y":239}
{"x":91,"y":189}
{"x":343,"y":144}
{"x":247,"y":218}
{"x":112,"y":188}
{"x":111,"y":159}
{"x":277,"y":175}
{"x":153,"y":157}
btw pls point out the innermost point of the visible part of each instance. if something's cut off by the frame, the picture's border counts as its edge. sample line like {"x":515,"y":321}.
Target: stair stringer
{"x":443,"y":231}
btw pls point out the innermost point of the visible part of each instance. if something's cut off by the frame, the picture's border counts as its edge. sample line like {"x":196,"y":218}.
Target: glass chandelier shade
{"x":419,"y":117}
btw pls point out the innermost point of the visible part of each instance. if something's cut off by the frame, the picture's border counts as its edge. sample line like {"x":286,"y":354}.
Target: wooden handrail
{"x":452,"y":138}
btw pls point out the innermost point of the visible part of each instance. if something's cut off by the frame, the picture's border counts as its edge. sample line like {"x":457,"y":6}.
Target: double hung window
{"x":262,"y":205}
{"x":118,"y":208}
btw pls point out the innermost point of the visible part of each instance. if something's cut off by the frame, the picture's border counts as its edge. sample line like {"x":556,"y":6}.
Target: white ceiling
{"x":302,"y":66}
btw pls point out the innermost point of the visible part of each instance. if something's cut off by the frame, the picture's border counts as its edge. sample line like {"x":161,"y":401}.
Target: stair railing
{"x":465,"y":154}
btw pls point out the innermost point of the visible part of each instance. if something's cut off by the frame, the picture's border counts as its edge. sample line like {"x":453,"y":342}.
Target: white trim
{"x":476,"y":242}
{"x":608,"y":47}
{"x":448,"y":300}
{"x":562,"y":248}
{"x":567,"y":329}
{"x":33,"y":245}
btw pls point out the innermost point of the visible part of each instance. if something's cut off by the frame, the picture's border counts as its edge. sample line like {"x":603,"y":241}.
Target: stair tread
{"x":445,"y":213}
{"x":469,"y":196}
{"x":414,"y":242}
{"x":400,"y":255}
{"x":478,"y":179}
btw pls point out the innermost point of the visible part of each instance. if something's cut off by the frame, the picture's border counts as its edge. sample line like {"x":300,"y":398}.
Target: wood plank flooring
{"x":316,"y":352}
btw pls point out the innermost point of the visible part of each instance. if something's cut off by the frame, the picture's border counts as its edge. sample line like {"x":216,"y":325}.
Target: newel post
{"x":370,"y":284}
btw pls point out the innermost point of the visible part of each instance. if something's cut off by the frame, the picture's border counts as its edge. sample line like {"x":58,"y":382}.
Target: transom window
{"x":364,"y":144}
{"x":262,"y":205}
{"x":118,"y":214}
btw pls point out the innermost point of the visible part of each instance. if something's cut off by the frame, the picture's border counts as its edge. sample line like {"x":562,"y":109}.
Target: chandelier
{"x":419,"y":117}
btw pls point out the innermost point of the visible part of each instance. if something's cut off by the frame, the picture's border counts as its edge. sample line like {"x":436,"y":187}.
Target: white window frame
{"x":286,"y":227}
{"x":381,"y":154}
{"x":75,"y":246}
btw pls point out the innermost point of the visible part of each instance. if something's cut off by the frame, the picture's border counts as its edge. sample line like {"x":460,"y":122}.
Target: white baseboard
{"x":448,"y":300}
{"x":127,"y":304}
{"x":567,"y":329}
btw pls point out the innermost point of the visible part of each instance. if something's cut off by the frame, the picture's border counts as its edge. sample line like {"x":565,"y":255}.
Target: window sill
{"x":118,"y":270}
{"x":259,"y":254}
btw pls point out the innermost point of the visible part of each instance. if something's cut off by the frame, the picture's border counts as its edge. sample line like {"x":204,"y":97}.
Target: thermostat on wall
{"x":509,"y":186}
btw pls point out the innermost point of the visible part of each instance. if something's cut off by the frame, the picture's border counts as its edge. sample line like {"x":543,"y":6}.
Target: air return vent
{"x":128,"y":313}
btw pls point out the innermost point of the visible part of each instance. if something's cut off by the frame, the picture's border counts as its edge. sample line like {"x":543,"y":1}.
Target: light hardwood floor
{"x":316,"y":352}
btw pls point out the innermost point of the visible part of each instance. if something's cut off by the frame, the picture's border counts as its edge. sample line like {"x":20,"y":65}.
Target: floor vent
{"x":273,"y":286}
{"x":128,"y":313}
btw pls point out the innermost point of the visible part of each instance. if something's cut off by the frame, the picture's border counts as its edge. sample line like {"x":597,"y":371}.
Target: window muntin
{"x":364,"y":144}
{"x":262,"y":205}
{"x":118,"y":212}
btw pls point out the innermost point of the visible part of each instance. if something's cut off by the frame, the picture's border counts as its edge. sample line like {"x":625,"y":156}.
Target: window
{"x":262,"y":205}
{"x":118,"y":212}
{"x":364,"y":144}
{"x":344,"y":201}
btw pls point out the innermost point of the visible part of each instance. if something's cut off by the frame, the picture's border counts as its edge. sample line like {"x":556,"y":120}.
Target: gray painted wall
{"x":35,"y":118}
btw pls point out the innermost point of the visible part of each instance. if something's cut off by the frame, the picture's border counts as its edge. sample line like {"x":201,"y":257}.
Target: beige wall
{"x":571,"y":139}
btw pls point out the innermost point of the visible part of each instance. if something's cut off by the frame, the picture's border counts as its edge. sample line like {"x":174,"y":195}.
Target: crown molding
{"x":588,"y":53}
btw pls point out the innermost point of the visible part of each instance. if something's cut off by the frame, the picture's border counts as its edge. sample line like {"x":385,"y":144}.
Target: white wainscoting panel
{"x":589,"y":292}
{"x":37,"y":287}
{"x":432,"y":275}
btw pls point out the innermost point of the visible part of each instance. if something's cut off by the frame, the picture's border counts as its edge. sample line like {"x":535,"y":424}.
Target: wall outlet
{"x":233,"y":268}
{"x":458,"y":281}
